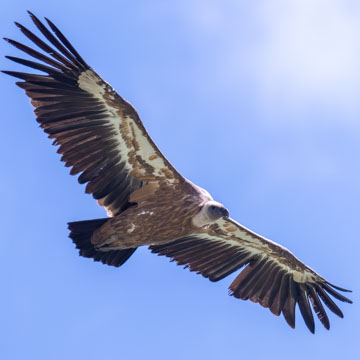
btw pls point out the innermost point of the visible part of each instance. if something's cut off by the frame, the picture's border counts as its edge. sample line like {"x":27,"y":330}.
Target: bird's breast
{"x":147,"y":225}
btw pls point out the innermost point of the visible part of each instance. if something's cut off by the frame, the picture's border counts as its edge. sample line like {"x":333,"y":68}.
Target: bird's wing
{"x":272,"y":275}
{"x":100,"y":134}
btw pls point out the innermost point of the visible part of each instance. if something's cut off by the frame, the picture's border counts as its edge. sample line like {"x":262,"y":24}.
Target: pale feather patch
{"x":142,"y":159}
{"x":88,"y":81}
{"x":160,"y":169}
{"x":257,"y":245}
{"x":131,"y":229}
{"x":146,"y":212}
{"x":300,"y":278}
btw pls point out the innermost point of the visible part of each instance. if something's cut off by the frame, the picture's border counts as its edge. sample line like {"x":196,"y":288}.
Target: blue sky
{"x":258,"y":102}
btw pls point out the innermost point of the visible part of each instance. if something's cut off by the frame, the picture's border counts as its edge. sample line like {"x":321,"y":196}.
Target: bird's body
{"x":146,"y":223}
{"x":149,"y":203}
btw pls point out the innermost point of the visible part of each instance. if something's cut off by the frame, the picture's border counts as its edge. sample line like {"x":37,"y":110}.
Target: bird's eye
{"x":212,"y":207}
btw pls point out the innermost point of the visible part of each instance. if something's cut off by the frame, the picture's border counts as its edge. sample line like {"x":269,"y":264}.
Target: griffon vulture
{"x":102,"y":138}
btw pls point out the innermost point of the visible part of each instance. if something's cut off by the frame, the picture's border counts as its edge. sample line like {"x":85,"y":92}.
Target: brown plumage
{"x":102,"y":138}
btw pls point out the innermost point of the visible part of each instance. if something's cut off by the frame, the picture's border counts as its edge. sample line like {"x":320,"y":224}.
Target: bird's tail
{"x":81,"y":232}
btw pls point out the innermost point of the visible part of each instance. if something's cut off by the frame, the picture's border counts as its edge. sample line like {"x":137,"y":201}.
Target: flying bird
{"x":148,"y":202}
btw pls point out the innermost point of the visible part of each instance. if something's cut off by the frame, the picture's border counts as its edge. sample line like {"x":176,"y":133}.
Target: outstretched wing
{"x":99,"y":133}
{"x":273,"y":276}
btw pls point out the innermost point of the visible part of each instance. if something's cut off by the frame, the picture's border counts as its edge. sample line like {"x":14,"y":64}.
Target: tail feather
{"x":81,"y":232}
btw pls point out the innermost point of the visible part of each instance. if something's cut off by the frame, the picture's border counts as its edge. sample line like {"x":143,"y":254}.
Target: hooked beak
{"x":225,"y":212}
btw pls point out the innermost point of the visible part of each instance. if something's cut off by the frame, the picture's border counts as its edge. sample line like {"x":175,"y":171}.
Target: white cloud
{"x":311,"y":51}
{"x":297,"y":53}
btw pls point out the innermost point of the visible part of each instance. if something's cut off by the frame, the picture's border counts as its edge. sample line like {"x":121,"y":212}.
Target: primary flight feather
{"x":102,"y":138}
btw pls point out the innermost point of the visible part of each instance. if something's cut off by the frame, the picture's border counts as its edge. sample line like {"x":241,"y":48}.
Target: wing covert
{"x":271,"y":275}
{"x":99,"y":134}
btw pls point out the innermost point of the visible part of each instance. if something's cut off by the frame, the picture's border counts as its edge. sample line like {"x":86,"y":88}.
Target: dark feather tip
{"x":338,"y":287}
{"x":7,"y":72}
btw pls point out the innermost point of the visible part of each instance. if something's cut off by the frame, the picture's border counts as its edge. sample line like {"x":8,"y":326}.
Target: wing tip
{"x":290,"y":323}
{"x":13,"y":74}
{"x":326,"y":326}
{"x":338,"y":287}
{"x":32,"y":15}
{"x":49,"y":21}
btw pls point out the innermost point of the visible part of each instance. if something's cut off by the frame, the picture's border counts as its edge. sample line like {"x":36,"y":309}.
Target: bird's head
{"x":215,"y":210}
{"x":209,"y":213}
